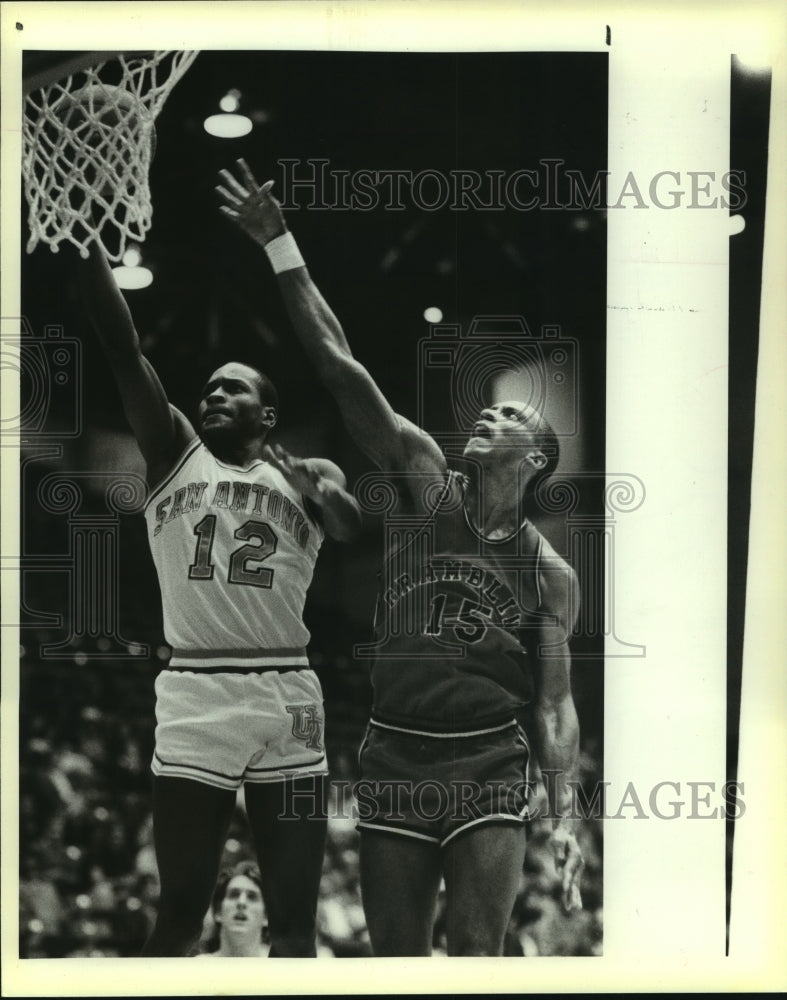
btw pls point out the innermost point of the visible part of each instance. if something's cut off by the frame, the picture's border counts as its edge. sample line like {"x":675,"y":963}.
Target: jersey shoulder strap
{"x":191,"y":448}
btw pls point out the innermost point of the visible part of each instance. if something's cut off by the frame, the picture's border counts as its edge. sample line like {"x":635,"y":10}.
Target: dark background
{"x":213,"y":299}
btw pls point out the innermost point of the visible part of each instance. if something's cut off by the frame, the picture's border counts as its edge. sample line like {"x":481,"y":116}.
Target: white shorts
{"x":227,"y":728}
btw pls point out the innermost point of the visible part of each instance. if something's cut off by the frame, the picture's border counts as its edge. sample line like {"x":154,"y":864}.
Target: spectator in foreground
{"x":239,"y":914}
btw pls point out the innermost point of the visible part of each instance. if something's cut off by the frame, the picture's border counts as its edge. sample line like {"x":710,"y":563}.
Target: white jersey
{"x":235,"y":551}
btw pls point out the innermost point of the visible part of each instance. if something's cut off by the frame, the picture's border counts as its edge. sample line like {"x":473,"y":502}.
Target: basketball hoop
{"x":88,"y":142}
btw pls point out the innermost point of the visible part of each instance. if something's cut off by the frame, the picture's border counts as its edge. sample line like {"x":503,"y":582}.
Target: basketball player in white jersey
{"x":234,"y":529}
{"x":474,"y":632}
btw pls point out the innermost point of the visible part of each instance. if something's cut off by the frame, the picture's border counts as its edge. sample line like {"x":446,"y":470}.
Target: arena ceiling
{"x":427,"y":114}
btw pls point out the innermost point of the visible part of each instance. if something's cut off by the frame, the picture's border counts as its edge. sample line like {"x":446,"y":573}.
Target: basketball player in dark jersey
{"x":475,"y":614}
{"x":234,"y":528}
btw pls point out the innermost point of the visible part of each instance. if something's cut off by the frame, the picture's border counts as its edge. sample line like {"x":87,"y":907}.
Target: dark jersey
{"x":455,"y":616}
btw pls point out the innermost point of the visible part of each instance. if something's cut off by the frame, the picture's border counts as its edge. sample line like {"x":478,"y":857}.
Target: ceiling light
{"x":131,"y":274}
{"x":230,"y":102}
{"x":132,"y":257}
{"x":229,"y":124}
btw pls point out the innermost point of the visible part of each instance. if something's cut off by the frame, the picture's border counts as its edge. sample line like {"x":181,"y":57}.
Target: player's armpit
{"x":423,"y":469}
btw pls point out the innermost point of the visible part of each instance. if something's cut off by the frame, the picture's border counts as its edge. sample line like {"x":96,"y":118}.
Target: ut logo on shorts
{"x":307,"y":725}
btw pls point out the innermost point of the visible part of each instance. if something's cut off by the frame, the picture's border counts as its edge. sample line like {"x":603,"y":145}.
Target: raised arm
{"x":325,"y":485}
{"x":555,"y":719}
{"x":161,"y":430}
{"x":392,"y":442}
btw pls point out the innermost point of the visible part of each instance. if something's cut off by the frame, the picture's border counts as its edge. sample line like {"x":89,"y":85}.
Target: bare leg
{"x":190,"y":823}
{"x":400,"y":878}
{"x":289,"y":825}
{"x":482,"y":869}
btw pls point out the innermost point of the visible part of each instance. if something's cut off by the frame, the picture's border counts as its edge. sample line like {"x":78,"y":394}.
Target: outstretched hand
{"x":569,"y":864}
{"x":300,"y":473}
{"x":250,"y":206}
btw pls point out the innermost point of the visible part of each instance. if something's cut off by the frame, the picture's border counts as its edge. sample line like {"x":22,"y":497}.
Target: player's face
{"x":242,"y":911}
{"x":231,"y":404}
{"x":501,"y":429}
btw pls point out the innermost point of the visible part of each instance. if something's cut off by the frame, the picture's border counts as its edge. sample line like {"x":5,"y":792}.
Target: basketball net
{"x":88,"y":143}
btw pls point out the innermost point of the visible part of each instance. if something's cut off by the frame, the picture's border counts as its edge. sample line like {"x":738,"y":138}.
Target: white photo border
{"x":664,"y":882}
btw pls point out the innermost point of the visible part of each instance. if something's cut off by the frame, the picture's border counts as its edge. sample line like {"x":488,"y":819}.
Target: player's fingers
{"x":248,"y":176}
{"x":572,"y":898}
{"x":235,"y":184}
{"x":228,"y":196}
{"x":229,"y":212}
{"x":270,"y":456}
{"x":266,"y":187}
{"x":572,"y":867}
{"x":280,"y":466}
{"x":284,"y":457}
{"x":572,"y":875}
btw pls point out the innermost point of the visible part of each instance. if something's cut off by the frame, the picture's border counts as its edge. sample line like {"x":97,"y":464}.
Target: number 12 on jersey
{"x":244,"y":567}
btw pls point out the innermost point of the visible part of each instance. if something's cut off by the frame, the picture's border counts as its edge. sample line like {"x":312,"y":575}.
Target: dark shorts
{"x":434,"y":787}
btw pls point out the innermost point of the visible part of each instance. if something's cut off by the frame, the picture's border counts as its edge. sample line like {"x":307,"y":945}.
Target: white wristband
{"x":283,"y":253}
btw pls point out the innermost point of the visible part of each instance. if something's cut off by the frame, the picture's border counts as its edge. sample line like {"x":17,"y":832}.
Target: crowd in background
{"x":88,"y":877}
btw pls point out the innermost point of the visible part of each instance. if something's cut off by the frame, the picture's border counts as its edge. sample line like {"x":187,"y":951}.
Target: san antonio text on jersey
{"x":235,"y":551}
